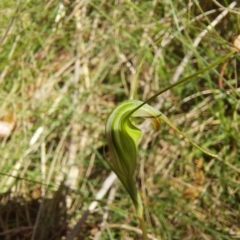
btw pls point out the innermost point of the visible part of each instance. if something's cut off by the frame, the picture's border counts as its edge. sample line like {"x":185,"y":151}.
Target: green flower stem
{"x":143,"y":227}
{"x":140,"y":215}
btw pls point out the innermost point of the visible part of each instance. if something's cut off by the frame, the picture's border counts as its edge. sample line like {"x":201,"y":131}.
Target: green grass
{"x":62,"y":79}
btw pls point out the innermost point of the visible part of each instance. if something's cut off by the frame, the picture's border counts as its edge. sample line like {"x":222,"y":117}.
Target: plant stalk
{"x":143,"y":227}
{"x":139,"y":210}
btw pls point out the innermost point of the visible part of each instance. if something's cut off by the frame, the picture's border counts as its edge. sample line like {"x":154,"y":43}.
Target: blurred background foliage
{"x":64,"y":65}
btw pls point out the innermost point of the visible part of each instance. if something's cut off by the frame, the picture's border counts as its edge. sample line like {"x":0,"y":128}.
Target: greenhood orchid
{"x":123,"y":138}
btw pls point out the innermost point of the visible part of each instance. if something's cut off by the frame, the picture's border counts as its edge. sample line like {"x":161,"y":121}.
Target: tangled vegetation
{"x":65,"y":65}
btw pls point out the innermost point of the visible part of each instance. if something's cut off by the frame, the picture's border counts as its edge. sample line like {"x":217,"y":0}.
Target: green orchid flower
{"x":123,"y":138}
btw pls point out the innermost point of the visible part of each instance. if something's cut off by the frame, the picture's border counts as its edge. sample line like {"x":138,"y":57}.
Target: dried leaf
{"x":191,"y":193}
{"x":7,"y":124}
{"x":236,"y":43}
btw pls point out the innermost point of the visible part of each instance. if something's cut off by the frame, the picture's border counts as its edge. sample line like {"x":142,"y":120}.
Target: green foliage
{"x":61,"y":77}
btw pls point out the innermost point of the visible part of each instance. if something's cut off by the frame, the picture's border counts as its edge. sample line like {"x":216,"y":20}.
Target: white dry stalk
{"x":101,"y":193}
{"x":36,"y":135}
{"x":60,"y":15}
{"x":222,"y":7}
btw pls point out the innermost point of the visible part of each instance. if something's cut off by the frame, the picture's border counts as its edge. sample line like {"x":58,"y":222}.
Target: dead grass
{"x":64,"y":66}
